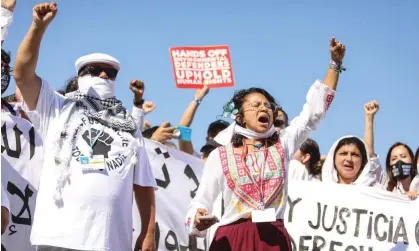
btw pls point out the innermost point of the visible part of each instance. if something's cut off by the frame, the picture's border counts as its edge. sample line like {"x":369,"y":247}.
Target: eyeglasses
{"x":97,"y":70}
{"x":268,"y":105}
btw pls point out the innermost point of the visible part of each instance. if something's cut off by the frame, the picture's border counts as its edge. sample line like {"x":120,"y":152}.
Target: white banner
{"x":177,"y":176}
{"x":21,"y":163}
{"x":350,"y":218}
{"x":319,"y":216}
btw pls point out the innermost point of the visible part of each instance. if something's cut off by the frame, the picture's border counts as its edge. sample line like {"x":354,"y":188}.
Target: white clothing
{"x":215,"y":180}
{"x":97,"y":205}
{"x":217,"y":211}
{"x":224,"y":137}
{"x":96,"y":58}
{"x":138,"y":116}
{"x":4,"y":201}
{"x":298,"y":171}
{"x":371,"y":175}
{"x":6,"y":20}
{"x":414,"y":186}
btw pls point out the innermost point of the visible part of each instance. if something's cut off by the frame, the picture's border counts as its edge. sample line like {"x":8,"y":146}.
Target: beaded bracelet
{"x":336,"y":67}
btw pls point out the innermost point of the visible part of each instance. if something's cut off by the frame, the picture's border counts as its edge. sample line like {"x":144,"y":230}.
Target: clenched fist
{"x":371,"y":108}
{"x":337,"y":50}
{"x":8,"y":4}
{"x":137,"y":87}
{"x":44,"y":13}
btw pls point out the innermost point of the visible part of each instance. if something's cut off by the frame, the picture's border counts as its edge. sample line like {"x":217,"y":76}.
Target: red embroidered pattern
{"x":242,"y":185}
{"x":329,"y":100}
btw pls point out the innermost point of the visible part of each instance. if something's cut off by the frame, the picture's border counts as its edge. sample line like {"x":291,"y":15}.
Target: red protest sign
{"x":195,"y":66}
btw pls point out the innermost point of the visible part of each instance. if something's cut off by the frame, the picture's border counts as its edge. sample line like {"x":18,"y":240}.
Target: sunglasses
{"x":279,"y":123}
{"x":97,"y":70}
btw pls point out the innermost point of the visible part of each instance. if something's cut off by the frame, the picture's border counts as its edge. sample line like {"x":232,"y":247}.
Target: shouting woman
{"x":250,"y":169}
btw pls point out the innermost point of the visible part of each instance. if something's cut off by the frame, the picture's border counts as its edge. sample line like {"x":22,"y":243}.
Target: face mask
{"x":401,"y":170}
{"x":5,"y":78}
{"x":97,"y":87}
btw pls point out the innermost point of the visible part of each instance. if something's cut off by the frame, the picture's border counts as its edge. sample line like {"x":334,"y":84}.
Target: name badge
{"x":267,"y":215}
{"x":97,"y":162}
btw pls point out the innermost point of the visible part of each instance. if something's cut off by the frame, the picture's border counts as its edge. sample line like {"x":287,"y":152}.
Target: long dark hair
{"x":312,"y":148}
{"x":361,"y":147}
{"x":238,"y":100}
{"x":392,"y":183}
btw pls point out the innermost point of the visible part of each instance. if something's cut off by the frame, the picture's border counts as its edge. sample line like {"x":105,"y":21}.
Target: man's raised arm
{"x":26,"y":79}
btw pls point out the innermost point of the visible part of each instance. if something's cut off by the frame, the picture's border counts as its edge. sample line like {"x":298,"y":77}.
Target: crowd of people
{"x":248,"y":163}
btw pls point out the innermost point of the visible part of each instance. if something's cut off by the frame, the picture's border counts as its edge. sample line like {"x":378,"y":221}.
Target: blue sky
{"x":281,"y":46}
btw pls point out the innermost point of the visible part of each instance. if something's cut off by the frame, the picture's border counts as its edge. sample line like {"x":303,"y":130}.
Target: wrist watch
{"x":138,"y":103}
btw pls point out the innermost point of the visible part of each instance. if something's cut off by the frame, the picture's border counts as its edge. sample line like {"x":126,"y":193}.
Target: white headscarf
{"x":224,"y":137}
{"x":369,"y":175}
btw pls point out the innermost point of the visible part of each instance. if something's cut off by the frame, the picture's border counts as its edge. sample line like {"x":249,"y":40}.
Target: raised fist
{"x":337,"y":50}
{"x":371,"y":108}
{"x":201,"y":93}
{"x":44,"y":13}
{"x":137,"y":87}
{"x":103,"y":144}
{"x":148,"y":107}
{"x":8,"y":4}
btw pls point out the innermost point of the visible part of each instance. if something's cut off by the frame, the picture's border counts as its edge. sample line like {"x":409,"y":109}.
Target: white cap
{"x":97,"y":58}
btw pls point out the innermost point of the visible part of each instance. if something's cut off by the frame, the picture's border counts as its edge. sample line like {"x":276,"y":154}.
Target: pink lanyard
{"x":247,"y":170}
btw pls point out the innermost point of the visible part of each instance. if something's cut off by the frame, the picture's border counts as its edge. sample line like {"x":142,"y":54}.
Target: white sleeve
{"x":209,"y":189}
{"x":143,"y":174}
{"x":47,"y":109}
{"x":138,"y":115}
{"x":414,"y":186}
{"x":297,"y":171}
{"x":4,"y":200}
{"x":6,"y":20}
{"x":380,"y":178}
{"x":318,"y":100}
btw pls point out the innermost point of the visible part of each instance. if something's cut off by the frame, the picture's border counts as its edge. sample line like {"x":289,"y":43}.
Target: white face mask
{"x":96,"y":86}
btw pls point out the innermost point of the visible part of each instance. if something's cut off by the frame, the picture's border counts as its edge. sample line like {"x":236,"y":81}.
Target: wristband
{"x":336,"y":67}
{"x":138,"y":103}
{"x":198,"y":102}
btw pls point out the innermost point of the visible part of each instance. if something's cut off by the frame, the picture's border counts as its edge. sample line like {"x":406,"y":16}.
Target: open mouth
{"x":348,"y":167}
{"x":263,"y":119}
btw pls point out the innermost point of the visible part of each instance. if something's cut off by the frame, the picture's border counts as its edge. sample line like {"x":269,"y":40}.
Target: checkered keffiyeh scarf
{"x":108,"y":112}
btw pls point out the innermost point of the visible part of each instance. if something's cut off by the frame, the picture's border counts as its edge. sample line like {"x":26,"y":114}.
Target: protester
{"x":348,"y":162}
{"x":85,"y":203}
{"x":353,"y":161}
{"x":304,"y":165}
{"x":401,"y":170}
{"x":247,"y":144}
{"x":281,"y":121}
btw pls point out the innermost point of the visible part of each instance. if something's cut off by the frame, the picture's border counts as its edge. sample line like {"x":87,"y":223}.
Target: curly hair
{"x":392,"y":183}
{"x":71,"y":85}
{"x":238,"y":100}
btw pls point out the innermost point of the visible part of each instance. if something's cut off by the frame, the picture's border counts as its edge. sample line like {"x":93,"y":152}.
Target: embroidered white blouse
{"x":225,"y":172}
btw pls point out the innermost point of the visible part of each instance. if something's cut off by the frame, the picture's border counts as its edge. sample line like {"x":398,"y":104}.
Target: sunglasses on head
{"x":97,"y":70}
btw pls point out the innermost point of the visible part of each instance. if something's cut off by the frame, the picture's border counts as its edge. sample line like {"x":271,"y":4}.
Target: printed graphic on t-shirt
{"x":113,"y":145}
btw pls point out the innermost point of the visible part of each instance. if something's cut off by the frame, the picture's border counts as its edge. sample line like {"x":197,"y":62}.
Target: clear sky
{"x":281,"y":46}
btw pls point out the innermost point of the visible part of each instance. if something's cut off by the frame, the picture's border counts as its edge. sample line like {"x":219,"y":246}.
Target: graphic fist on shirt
{"x":103,"y":143}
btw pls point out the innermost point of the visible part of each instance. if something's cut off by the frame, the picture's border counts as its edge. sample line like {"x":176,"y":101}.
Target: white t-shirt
{"x":97,"y":209}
